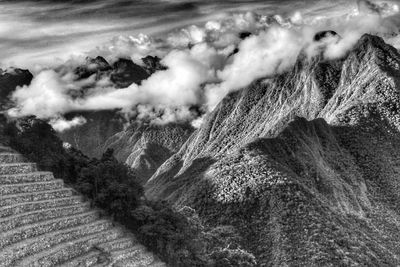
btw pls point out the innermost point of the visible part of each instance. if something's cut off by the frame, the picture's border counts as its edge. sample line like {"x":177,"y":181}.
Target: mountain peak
{"x":320,"y":36}
{"x":100,"y":62}
{"x":372,"y":49}
{"x":369,"y":43}
{"x":127,"y":72}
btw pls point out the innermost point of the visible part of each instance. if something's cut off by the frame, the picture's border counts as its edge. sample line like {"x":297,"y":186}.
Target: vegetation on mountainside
{"x":108,"y":183}
{"x":179,"y":237}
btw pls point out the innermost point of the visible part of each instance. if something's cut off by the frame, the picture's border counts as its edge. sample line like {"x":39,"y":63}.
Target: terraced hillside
{"x":43,"y":223}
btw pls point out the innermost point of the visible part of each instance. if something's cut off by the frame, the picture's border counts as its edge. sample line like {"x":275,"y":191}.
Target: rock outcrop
{"x":44,"y":223}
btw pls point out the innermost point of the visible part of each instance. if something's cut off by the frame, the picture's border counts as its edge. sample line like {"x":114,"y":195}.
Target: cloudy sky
{"x":42,"y":34}
{"x":37,"y":32}
{"x":34,"y":32}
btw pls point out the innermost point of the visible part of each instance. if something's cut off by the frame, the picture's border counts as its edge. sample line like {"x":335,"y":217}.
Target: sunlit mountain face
{"x":207,"y":49}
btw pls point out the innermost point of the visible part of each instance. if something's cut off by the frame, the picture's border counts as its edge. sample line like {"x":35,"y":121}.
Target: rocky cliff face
{"x":305,"y":164}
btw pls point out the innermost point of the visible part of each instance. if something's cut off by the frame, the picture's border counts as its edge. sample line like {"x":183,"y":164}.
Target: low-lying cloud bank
{"x":202,"y":64}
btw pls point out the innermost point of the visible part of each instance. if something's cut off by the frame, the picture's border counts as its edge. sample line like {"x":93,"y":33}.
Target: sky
{"x":37,"y":32}
{"x":47,"y":32}
{"x":195,"y":40}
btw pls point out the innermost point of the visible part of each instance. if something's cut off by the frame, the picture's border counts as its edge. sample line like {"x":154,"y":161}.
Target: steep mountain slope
{"x":145,"y":147}
{"x":310,"y":191}
{"x":44,"y":223}
{"x":316,"y":88}
{"x":91,"y":136}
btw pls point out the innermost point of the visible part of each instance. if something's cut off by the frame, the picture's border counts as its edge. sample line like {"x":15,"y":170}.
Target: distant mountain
{"x":123,"y":72}
{"x":101,"y":125}
{"x":9,"y":80}
{"x":145,"y":147}
{"x":305,"y":164}
{"x":91,"y":136}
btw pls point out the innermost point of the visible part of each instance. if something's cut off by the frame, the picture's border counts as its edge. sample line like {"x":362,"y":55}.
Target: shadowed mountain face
{"x":90,"y":137}
{"x":305,"y":164}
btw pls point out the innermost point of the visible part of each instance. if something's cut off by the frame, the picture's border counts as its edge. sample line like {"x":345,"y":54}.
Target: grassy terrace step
{"x":134,"y":256}
{"x":26,"y":178}
{"x":27,"y":247}
{"x":66,"y":251}
{"x":114,"y":247}
{"x":118,"y":244}
{"x":19,"y":220}
{"x":40,"y":228}
{"x":35,"y":196}
{"x":17,"y":168}
{"x":88,"y":259}
{"x":139,"y":260}
{"x":31,"y":187}
{"x":38,"y":205}
{"x":9,"y":157}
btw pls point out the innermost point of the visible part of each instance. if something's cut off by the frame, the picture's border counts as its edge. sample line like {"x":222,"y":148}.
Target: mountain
{"x":9,"y":80}
{"x":125,"y":72}
{"x":145,"y":147}
{"x":305,"y":165}
{"x":101,"y":125}
{"x":91,"y":136}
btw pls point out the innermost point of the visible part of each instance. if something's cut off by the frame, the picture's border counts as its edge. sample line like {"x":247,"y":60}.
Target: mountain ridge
{"x":271,"y":104}
{"x":305,"y":170}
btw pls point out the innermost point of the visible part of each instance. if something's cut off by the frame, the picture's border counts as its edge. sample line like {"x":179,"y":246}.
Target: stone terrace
{"x":44,"y":223}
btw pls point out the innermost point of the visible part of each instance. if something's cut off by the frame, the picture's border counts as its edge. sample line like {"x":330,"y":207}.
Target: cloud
{"x":275,"y":49}
{"x":61,"y":124}
{"x":169,"y":93}
{"x":45,"y":97}
{"x":201,"y":65}
{"x":383,"y":9}
{"x":265,"y":54}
